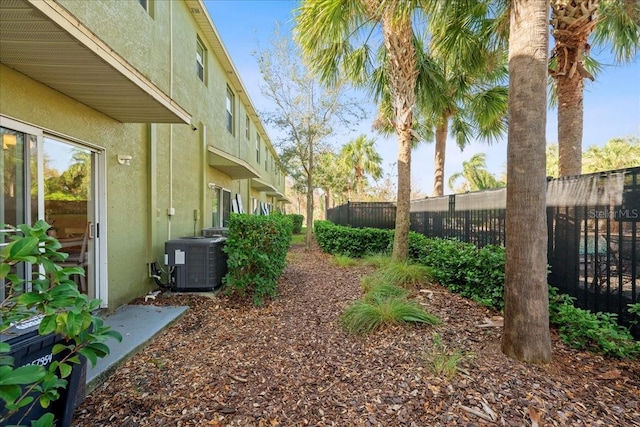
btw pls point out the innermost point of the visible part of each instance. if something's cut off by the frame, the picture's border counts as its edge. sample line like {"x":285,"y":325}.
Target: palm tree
{"x":461,"y":81}
{"x":552,"y":160}
{"x":617,"y":153}
{"x":526,"y":315}
{"x":360,"y":158}
{"x":472,"y":111}
{"x":614,"y":23}
{"x":326,"y":31}
{"x":476,"y":176}
{"x":469,"y":97}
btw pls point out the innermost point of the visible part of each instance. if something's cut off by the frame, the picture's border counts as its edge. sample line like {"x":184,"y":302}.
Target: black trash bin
{"x":30,"y":348}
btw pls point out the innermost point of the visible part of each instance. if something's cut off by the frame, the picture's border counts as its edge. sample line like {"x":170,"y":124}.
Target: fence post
{"x":467,"y":226}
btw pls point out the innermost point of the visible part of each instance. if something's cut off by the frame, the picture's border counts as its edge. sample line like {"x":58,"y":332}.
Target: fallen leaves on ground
{"x":227,"y":363}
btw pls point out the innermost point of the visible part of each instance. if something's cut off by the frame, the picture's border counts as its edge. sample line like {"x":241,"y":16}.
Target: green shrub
{"x":297,"y":222}
{"x":363,"y":317}
{"x":64,"y":311}
{"x":475,"y":273}
{"x":418,"y":244}
{"x":634,"y":309}
{"x":257,"y":247}
{"x":582,"y":329}
{"x":353,"y":242}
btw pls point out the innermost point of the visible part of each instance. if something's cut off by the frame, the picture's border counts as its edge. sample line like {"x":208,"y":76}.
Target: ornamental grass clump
{"x":382,"y":291}
{"x":444,"y":361}
{"x":406,"y":274}
{"x":344,"y":261}
{"x":375,"y":311}
{"x":400,"y":274}
{"x":377,"y":260}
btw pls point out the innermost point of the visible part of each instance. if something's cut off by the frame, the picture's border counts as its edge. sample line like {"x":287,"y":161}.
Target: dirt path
{"x":290,"y":364}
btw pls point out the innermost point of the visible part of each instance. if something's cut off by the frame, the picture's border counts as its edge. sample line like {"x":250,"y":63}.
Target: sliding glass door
{"x":16,"y":198}
{"x":68,"y":203}
{"x":46,"y":177}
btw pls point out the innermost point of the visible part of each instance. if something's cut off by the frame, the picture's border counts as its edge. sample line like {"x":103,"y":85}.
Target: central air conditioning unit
{"x":197,"y":263}
{"x":215,"y":232}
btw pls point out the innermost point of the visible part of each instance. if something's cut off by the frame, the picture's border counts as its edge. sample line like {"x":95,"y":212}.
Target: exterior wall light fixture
{"x":124,"y":159}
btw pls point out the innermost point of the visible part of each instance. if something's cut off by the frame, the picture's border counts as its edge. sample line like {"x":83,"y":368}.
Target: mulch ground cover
{"x":289,"y":363}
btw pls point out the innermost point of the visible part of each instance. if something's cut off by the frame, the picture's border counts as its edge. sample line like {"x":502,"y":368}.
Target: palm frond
{"x":618,"y":28}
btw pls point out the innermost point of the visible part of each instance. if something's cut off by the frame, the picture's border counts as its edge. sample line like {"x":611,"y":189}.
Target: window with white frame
{"x":258,"y":148}
{"x":220,"y":207}
{"x":247,"y":126}
{"x":201,"y":55}
{"x":230,"y":108}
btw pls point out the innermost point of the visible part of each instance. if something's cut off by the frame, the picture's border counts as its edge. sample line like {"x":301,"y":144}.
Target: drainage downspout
{"x":170,"y":210}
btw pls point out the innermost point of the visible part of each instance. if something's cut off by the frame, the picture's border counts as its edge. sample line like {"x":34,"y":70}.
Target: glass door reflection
{"x":67,"y":173}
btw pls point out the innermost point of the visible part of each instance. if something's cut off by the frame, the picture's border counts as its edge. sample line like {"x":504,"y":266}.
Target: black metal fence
{"x":364,"y":214}
{"x":593,"y":224}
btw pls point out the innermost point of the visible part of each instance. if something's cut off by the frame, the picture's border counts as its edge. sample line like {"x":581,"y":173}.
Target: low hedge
{"x":297,"y":222}
{"x":475,"y":273}
{"x":352,"y":242}
{"x":257,"y":248}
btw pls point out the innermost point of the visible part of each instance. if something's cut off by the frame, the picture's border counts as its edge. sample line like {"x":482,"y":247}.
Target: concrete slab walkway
{"x":138,"y":324}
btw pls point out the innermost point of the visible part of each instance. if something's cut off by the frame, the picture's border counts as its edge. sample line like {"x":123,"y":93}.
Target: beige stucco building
{"x":124,"y":124}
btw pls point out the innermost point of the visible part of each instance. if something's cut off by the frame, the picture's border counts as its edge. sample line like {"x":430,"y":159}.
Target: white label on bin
{"x":42,"y":361}
{"x":179,"y":256}
{"x":30,"y":322}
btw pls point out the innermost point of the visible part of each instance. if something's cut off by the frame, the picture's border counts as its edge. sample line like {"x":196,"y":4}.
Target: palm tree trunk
{"x":402,"y":67}
{"x":570,"y":123}
{"x":526,"y":315}
{"x":441,"y":147}
{"x":572,"y":24}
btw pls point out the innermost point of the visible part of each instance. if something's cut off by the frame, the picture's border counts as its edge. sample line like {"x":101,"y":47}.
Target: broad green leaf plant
{"x":53,"y":298}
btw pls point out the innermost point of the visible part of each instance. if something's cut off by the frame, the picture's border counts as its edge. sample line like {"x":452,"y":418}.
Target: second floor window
{"x":247,"y":130}
{"x":200,"y":58}
{"x":230,"y":108}
{"x":258,"y":148}
{"x":147,"y":5}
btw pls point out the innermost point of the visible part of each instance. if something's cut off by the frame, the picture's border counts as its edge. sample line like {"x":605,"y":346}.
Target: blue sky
{"x":611,"y":103}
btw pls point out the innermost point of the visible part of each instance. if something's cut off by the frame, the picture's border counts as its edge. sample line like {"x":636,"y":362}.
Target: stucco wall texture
{"x":169,"y":167}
